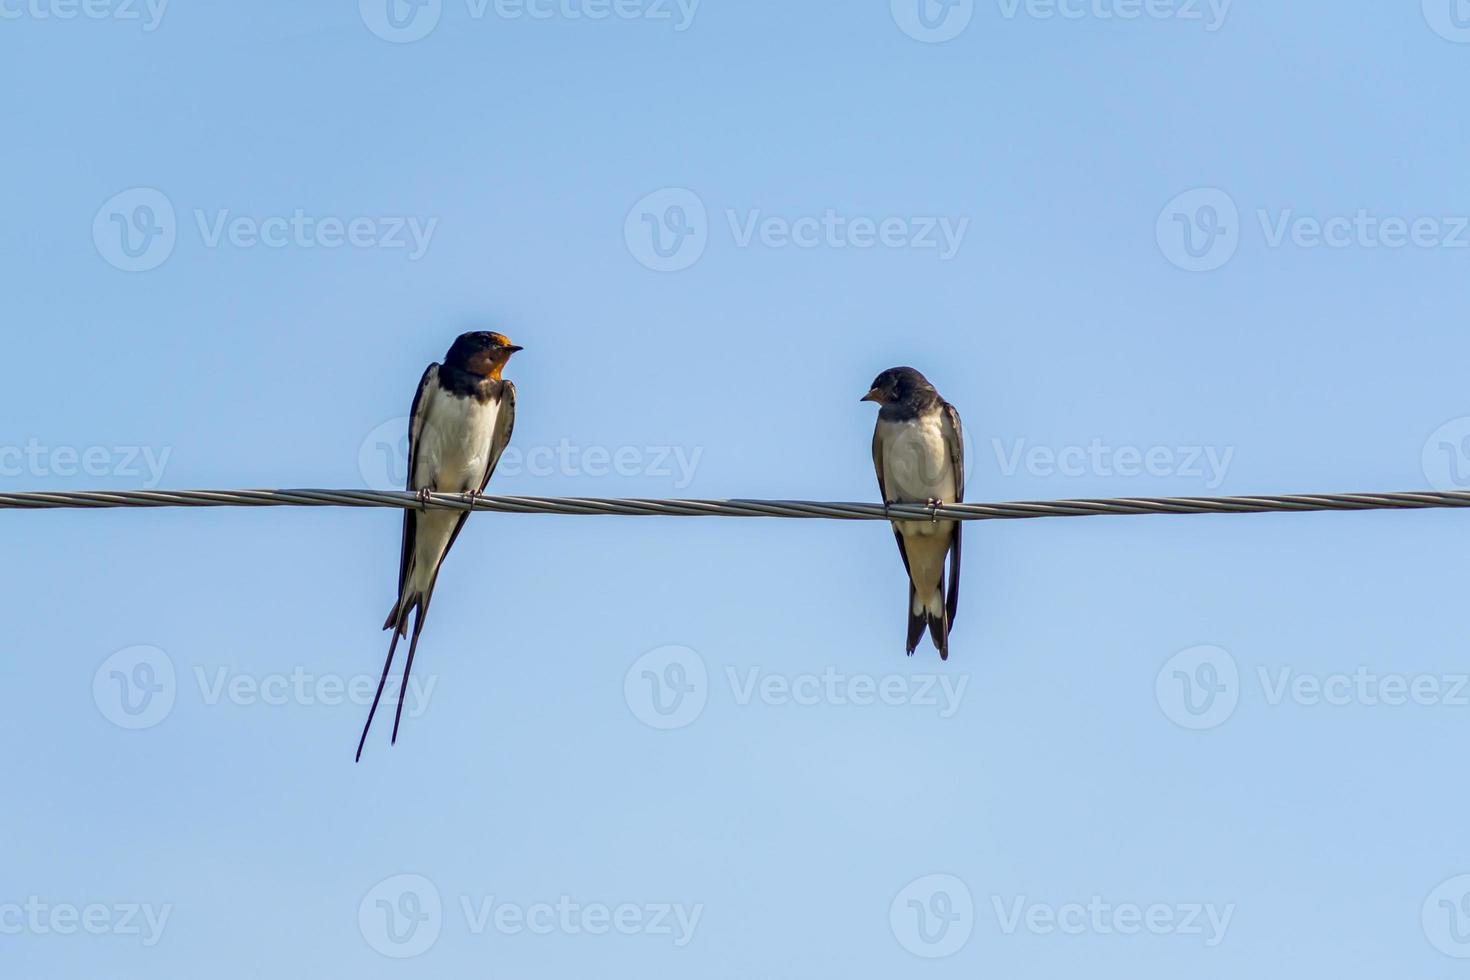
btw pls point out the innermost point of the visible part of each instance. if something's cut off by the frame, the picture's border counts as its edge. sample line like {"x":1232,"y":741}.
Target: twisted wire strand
{"x":799,"y":509}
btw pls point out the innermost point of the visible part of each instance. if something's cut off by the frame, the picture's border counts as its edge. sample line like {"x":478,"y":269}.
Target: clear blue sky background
{"x":1061,"y":320}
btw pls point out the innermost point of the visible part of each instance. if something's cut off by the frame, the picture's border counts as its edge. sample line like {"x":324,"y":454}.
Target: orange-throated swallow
{"x":460,"y":423}
{"x":919,"y":453}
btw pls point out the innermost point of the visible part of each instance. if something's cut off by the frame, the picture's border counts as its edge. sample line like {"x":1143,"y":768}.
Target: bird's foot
{"x":934,"y":505}
{"x":426,"y":497}
{"x":471,"y":497}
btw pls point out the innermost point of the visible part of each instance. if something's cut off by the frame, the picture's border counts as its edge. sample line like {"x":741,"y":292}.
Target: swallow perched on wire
{"x":919,"y":454}
{"x":460,"y":423}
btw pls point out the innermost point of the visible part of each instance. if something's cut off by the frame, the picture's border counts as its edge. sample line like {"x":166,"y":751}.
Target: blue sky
{"x":1170,"y":247}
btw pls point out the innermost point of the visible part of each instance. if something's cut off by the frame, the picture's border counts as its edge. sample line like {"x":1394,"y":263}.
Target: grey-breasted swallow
{"x":460,"y":423}
{"x":919,"y":454}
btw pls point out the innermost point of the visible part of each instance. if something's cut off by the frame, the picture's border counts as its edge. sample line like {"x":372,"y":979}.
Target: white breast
{"x":454,"y":446}
{"x":916,"y":461}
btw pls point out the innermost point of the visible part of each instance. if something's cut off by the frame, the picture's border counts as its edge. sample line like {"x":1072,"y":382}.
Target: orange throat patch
{"x":489,"y":364}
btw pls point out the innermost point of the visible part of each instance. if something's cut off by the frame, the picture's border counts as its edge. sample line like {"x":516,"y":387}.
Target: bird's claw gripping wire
{"x":426,"y":497}
{"x":934,"y":505}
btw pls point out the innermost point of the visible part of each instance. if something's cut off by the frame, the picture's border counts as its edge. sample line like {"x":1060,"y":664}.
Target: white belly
{"x":451,"y":455}
{"x":454,"y":447}
{"x":916,"y":462}
{"x":917,"y":468}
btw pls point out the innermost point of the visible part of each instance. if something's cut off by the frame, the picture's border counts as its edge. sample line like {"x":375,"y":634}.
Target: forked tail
{"x":417,"y":603}
{"x":933,"y":614}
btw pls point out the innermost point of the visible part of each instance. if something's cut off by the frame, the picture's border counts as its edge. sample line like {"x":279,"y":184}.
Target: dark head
{"x":482,"y":352}
{"x":897,"y":385}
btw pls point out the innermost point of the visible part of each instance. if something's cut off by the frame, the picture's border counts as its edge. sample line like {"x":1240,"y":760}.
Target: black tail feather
{"x":413,"y":645}
{"x":952,"y":596}
{"x":939,"y":633}
{"x":916,"y":624}
{"x":398,"y":618}
{"x":938,"y":626}
{"x":387,"y":664}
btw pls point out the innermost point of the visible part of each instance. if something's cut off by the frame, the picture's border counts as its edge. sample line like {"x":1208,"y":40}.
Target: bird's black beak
{"x":872,"y":396}
{"x":513,"y":349}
